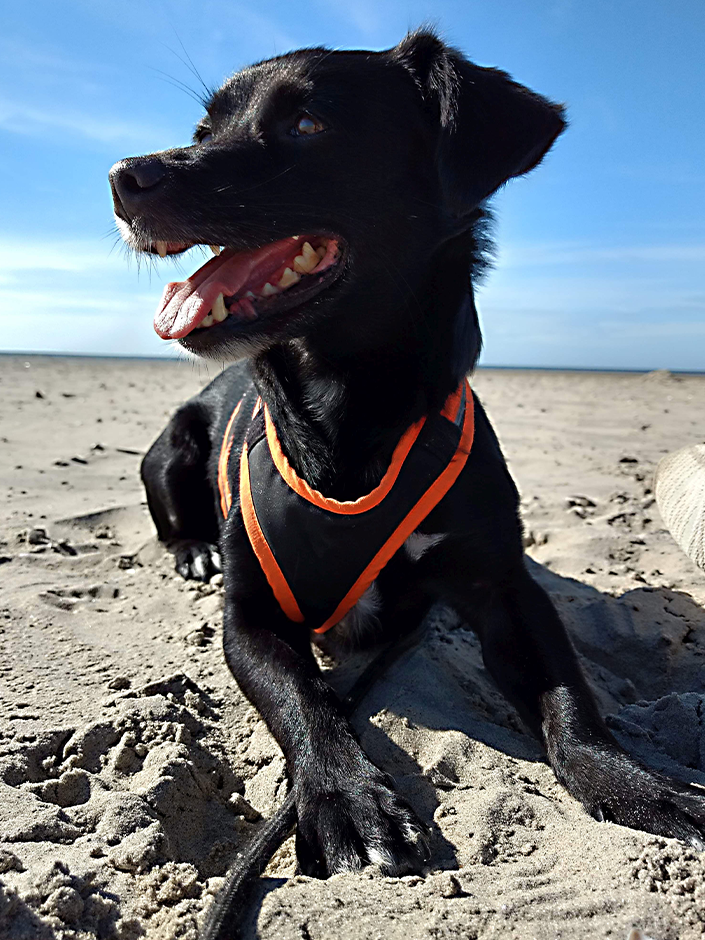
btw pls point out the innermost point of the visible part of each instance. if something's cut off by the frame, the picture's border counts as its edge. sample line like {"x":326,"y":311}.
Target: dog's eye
{"x":205,"y":137}
{"x":306,"y":125}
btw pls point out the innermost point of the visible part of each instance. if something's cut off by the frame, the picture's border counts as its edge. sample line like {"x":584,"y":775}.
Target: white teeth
{"x":250,"y":295}
{"x":216,"y":249}
{"x":219,"y":310}
{"x":307,"y":260}
{"x":161,"y":248}
{"x":288,"y":278}
{"x":269,"y":290}
{"x":207,"y":320}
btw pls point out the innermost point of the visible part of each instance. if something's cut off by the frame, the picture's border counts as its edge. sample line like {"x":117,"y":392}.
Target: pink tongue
{"x":185,"y":303}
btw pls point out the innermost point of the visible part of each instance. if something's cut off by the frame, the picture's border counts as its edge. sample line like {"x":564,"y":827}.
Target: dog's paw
{"x":363,"y":823}
{"x":664,"y":812}
{"x":197,"y":561}
{"x":625,"y":792}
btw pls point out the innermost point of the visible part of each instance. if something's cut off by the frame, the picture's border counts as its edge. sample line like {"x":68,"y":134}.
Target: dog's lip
{"x":273,"y":314}
{"x":233,"y":274}
{"x":163,"y":248}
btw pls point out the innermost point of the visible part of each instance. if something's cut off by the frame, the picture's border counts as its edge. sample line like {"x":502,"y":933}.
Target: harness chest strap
{"x":225,"y":448}
{"x":320,"y":555}
{"x":226,"y":498}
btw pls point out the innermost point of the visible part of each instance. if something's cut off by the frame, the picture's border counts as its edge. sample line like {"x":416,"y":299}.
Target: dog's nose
{"x":130,"y":180}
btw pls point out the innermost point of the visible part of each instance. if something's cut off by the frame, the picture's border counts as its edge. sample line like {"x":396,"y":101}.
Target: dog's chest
{"x":363,"y":620}
{"x":418,"y":544}
{"x":322,"y":557}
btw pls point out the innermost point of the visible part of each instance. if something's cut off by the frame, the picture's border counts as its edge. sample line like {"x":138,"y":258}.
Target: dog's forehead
{"x":298,"y":76}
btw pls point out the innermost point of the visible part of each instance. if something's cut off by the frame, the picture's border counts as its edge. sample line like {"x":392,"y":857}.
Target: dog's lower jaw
{"x":233,"y":350}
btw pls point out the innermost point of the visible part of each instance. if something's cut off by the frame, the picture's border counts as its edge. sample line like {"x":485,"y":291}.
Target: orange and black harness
{"x":320,"y":555}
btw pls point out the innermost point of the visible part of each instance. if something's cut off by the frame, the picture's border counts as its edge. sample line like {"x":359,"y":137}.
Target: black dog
{"x":348,"y":189}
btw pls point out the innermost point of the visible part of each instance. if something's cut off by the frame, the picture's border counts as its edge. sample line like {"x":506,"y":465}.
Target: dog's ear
{"x":490,"y":127}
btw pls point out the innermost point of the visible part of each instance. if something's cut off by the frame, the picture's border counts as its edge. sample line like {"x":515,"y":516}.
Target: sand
{"x":132,"y":769}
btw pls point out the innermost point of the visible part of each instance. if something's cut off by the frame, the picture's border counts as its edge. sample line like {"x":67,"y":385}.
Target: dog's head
{"x":329,"y":184}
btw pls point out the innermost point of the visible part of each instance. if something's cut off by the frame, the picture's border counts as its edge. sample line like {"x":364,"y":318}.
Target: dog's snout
{"x":131,"y":180}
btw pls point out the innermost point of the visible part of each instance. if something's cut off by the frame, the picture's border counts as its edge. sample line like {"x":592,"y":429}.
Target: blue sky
{"x":601,"y":256}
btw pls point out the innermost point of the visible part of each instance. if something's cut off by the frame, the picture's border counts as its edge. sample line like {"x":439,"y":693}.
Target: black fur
{"x":416,"y":138}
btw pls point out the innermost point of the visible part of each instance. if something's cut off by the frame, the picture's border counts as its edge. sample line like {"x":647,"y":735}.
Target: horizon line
{"x":184,"y":359}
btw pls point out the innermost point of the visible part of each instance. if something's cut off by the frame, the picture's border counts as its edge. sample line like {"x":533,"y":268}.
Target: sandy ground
{"x":132,"y":769}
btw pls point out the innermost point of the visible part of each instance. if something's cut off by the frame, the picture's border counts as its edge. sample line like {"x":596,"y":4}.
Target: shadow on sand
{"x":643,"y":652}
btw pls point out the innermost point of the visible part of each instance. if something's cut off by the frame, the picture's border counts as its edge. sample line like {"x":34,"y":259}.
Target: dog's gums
{"x":242,"y":285}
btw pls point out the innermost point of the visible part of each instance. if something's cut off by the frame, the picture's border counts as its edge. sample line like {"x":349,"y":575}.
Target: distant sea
{"x":509,"y":368}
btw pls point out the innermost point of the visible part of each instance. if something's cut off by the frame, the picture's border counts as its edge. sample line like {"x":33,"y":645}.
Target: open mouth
{"x":239,"y":288}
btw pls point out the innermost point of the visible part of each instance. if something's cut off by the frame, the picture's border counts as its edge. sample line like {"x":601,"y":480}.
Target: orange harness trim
{"x":374,"y":498}
{"x":260,"y":546}
{"x":226,"y":498}
{"x":433,"y":495}
{"x":281,"y":469}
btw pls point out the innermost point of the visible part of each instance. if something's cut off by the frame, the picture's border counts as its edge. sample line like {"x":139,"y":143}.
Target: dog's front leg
{"x":348,"y":812}
{"x":528,"y":653}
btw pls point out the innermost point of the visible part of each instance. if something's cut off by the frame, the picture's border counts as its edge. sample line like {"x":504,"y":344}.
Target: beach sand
{"x":132,"y":769}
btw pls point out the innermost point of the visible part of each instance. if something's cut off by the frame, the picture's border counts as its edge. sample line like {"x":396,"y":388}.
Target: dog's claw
{"x":366,"y":824}
{"x":629,"y":794}
{"x":197,"y":561}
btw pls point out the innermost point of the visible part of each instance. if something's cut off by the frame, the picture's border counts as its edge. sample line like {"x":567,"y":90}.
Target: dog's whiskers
{"x":248,"y":189}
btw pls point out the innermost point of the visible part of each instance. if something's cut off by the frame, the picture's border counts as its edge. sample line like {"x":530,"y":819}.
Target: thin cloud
{"x":590,"y":294}
{"x":77,"y":256}
{"x":535,"y":338}
{"x":89,"y":257}
{"x":45,"y":63}
{"x":561,"y":253}
{"x":17,"y":118}
{"x":364,"y":16}
{"x":133,"y":305}
{"x":672,"y":329}
{"x":100,"y":335}
{"x":264,"y":31}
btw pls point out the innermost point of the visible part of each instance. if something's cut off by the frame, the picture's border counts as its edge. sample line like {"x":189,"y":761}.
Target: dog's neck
{"x":339,"y":416}
{"x":337,"y":427}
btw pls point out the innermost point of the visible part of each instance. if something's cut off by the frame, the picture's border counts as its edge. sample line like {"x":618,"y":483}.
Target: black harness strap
{"x":325,"y":554}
